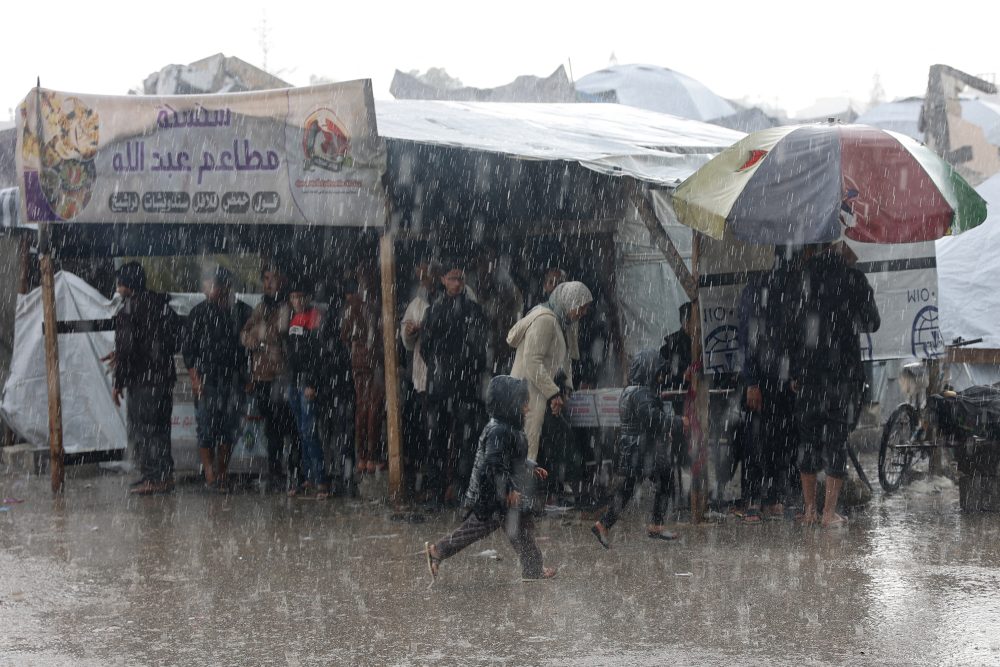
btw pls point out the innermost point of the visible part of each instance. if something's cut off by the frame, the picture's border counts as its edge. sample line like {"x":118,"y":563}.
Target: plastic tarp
{"x":969,"y":274}
{"x":91,"y":422}
{"x":657,"y":89}
{"x":608,"y":138}
{"x":647,"y":290}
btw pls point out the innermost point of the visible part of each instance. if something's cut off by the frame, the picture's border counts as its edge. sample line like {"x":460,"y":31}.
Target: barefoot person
{"x":500,"y":486}
{"x":838,"y":304}
{"x":643,"y":446}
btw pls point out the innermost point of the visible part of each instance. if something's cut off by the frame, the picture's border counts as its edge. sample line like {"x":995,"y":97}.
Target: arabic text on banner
{"x":291,"y":156}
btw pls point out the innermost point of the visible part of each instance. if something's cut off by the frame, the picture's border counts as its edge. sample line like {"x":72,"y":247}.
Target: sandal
{"x":804,"y":519}
{"x":751,"y":517}
{"x":433,"y":562}
{"x":662,"y":535}
{"x":601,"y":533}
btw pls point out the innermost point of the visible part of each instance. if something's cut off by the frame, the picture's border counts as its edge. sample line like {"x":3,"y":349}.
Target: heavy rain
{"x":593,"y":366}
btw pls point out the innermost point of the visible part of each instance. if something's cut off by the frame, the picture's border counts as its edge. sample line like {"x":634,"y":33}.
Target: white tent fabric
{"x":608,"y":138}
{"x":968,"y":276}
{"x":901,"y":116}
{"x":656,"y":89}
{"x":91,"y":422}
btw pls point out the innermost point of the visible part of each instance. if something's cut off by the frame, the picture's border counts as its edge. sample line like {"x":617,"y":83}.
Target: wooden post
{"x":56,"y":453}
{"x":393,"y":410}
{"x":662,"y":241}
{"x":934,"y":465}
{"x":699,"y":385}
{"x":50,"y":332}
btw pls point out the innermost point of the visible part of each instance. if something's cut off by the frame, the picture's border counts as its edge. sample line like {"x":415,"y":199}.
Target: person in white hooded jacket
{"x":546,"y":343}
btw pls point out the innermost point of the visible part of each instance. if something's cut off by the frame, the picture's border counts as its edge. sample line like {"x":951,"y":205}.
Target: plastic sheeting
{"x":608,"y":138}
{"x":648,"y":292}
{"x":657,"y":89}
{"x":969,"y":274}
{"x":91,"y":422}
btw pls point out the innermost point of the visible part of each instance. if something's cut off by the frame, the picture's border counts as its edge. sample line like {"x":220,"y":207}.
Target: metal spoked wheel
{"x":894,"y":461}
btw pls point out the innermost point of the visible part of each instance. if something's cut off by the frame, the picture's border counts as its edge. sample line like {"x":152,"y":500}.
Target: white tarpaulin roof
{"x":608,"y":138}
{"x":968,"y":275}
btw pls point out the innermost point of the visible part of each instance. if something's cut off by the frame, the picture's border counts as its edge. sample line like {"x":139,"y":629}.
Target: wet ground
{"x":100,"y":578}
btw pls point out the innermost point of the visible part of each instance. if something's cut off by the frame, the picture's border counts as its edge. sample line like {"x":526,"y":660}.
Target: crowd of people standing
{"x":315,"y":375}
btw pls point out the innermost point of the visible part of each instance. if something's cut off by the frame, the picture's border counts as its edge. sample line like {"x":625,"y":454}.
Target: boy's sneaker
{"x":546,"y":574}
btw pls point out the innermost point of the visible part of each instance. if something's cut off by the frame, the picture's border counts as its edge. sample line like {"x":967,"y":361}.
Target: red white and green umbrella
{"x":818,"y":183}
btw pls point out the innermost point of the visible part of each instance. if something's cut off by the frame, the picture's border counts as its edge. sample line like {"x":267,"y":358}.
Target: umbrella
{"x":819,"y":183}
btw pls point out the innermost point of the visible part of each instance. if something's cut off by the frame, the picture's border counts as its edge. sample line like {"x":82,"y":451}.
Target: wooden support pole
{"x":699,"y":384}
{"x":393,"y":409}
{"x":56,"y":454}
{"x":662,"y":241}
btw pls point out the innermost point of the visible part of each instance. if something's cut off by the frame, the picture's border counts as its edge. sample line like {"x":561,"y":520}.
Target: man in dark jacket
{"x":147,"y":335}
{"x":219,"y":369}
{"x":453,"y":340}
{"x":837,"y":306}
{"x":643,"y":445}
{"x":500,"y":486}
{"x":766,"y":311}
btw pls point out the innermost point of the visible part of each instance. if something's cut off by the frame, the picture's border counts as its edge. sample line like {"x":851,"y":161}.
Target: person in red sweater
{"x":304,"y":359}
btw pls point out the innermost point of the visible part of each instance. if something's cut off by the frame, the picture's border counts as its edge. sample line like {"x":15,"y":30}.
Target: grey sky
{"x":784,"y":53}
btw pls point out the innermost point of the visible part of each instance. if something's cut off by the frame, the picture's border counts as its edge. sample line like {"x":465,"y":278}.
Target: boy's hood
{"x":644,"y":368}
{"x":504,"y":398}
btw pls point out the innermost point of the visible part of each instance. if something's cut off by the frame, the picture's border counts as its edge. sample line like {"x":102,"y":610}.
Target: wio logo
{"x":927,"y":342}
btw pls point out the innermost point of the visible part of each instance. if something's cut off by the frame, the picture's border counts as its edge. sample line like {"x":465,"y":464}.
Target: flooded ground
{"x":101,"y":578}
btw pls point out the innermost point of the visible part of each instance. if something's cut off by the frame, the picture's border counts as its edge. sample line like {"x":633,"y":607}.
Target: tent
{"x":968,"y":274}
{"x":453,"y":169}
{"x":655,"y":88}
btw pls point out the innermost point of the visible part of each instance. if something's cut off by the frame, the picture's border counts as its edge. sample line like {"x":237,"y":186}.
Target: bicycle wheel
{"x":893,"y":461}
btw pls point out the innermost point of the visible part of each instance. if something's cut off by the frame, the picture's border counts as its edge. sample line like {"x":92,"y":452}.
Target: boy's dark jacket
{"x":645,"y":427}
{"x":305,"y":348}
{"x":502,"y":463}
{"x":147,"y":335}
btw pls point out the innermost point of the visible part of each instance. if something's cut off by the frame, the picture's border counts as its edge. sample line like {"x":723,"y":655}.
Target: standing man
{"x":766,"y":311}
{"x":147,"y":335}
{"x":416,"y":383}
{"x":837,"y":305}
{"x":218,"y":367}
{"x":263,"y":336}
{"x":453,"y":340}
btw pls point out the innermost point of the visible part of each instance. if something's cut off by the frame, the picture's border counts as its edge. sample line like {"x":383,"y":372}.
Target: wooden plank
{"x":56,"y":453}
{"x":973,"y":355}
{"x":699,"y":383}
{"x":393,"y":409}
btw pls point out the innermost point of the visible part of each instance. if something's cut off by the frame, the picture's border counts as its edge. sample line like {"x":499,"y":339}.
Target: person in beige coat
{"x":545,"y":340}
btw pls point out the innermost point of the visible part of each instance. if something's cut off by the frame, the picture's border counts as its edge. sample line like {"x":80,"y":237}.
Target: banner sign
{"x":903,"y":278}
{"x":308,"y":156}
